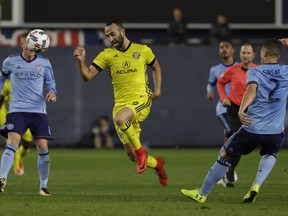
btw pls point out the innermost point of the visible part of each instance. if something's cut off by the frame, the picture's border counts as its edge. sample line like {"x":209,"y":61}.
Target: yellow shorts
{"x":141,"y":109}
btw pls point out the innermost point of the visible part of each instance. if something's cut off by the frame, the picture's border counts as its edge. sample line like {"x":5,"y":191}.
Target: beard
{"x":118,"y":43}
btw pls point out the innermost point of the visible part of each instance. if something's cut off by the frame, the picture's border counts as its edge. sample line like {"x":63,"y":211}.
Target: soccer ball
{"x":38,"y":40}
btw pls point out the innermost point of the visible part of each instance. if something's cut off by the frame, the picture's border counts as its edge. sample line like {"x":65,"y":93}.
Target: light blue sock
{"x":43,"y":164}
{"x":7,"y":160}
{"x":265,"y":166}
{"x":216,"y":172}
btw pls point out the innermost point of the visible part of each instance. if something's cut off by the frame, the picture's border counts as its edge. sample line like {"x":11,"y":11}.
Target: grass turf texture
{"x":89,"y":182}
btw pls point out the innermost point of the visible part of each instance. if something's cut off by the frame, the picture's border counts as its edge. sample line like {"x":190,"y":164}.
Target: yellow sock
{"x":17,"y":158}
{"x":151,"y":162}
{"x":134,"y":140}
{"x":23,"y":151}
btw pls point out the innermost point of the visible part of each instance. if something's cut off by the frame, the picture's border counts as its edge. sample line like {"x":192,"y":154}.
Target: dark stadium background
{"x":182,"y":116}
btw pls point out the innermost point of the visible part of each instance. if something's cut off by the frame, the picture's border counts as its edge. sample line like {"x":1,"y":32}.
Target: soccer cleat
{"x":194,"y":194}
{"x":231,"y":176}
{"x":20,"y":170}
{"x":252,"y":194}
{"x":141,"y":158}
{"x":222,"y":181}
{"x":226,"y":183}
{"x":160,"y":171}
{"x":2,"y":185}
{"x":44,"y":192}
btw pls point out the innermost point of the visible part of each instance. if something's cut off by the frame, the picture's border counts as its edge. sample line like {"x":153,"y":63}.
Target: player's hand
{"x":210,"y":95}
{"x":80,"y":53}
{"x":284,"y":41}
{"x":155,"y":95}
{"x":244,"y":118}
{"x":51,"y":97}
{"x":226,"y":102}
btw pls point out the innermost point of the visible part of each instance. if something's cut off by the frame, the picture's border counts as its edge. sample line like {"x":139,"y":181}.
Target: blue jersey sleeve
{"x":49,"y":78}
{"x":251,"y":76}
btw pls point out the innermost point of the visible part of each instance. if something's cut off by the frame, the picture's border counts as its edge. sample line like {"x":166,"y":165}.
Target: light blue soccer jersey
{"x":27,"y":80}
{"x":215,"y":73}
{"x":269,"y":106}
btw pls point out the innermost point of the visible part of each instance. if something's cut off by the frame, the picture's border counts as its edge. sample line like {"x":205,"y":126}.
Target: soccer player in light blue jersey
{"x":262,"y":113}
{"x":226,"y":52}
{"x":28,"y":73}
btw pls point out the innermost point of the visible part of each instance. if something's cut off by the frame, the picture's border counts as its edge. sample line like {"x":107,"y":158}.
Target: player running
{"x":126,"y":63}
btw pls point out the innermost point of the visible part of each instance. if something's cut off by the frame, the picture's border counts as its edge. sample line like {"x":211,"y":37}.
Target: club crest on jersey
{"x":10,"y":126}
{"x":38,"y":68}
{"x":136,"y":55}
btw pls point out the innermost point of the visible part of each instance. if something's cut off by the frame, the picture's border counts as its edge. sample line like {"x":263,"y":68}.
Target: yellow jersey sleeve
{"x":6,"y":91}
{"x":128,"y":71}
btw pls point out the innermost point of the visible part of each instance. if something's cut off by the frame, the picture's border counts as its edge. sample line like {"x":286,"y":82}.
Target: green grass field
{"x":90,"y":182}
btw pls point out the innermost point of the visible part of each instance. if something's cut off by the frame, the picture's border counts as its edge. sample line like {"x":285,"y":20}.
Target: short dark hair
{"x":272,"y":47}
{"x":114,"y":21}
{"x":249,"y":44}
{"x":227,"y":41}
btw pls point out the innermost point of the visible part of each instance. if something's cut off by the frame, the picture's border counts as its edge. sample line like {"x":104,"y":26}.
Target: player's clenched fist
{"x":284,"y":41}
{"x":79,"y":53}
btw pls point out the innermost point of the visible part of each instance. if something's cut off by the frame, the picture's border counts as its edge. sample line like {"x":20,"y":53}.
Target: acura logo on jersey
{"x":126,"y":64}
{"x":127,"y":69}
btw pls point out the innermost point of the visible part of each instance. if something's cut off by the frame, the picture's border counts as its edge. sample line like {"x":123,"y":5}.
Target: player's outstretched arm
{"x":86,"y":73}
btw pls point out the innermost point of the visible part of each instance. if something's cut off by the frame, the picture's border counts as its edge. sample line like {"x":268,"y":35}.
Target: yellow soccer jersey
{"x":6,"y":92}
{"x":127,"y":70}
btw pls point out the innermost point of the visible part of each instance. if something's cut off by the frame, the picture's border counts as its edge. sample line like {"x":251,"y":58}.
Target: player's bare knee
{"x":118,"y":120}
{"x":41,"y":144}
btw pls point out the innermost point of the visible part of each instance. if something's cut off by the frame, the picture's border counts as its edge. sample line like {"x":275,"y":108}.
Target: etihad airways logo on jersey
{"x":28,"y":76}
{"x":126,"y":68}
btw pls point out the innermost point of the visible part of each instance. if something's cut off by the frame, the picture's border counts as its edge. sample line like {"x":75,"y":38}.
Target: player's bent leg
{"x":123,"y":120}
{"x":20,"y":155}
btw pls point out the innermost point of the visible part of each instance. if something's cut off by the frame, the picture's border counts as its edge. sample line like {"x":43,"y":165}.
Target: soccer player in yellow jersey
{"x":27,"y":137}
{"x":126,"y":63}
